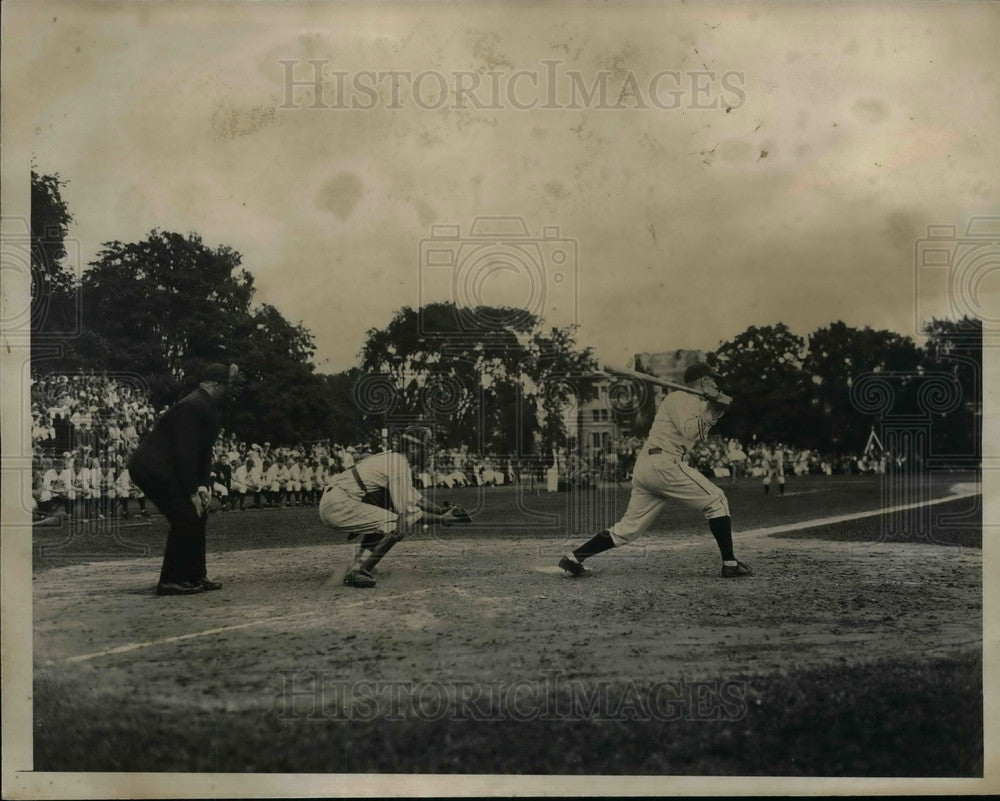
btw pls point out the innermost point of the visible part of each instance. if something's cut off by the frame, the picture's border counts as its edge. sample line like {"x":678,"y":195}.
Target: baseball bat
{"x":662,"y":382}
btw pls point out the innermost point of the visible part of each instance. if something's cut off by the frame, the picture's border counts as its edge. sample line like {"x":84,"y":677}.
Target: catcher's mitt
{"x":456,"y":513}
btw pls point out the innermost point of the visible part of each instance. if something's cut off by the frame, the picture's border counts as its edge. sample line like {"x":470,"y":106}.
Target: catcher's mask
{"x":418,"y":441}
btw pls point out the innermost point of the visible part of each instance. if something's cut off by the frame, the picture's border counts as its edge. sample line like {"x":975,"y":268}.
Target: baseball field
{"x":855,"y":649}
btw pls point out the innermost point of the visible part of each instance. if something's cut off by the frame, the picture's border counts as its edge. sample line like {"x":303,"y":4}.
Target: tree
{"x":838,"y":355}
{"x":345,"y":423}
{"x":955,"y":347}
{"x":168,"y":305}
{"x":489,"y":386}
{"x":53,"y":285}
{"x":563,"y":377}
{"x":762,"y":369}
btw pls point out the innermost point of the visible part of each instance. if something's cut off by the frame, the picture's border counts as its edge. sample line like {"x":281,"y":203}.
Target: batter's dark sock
{"x":596,"y":544}
{"x":722,"y":530}
{"x":767,"y":489}
{"x":781,"y":489}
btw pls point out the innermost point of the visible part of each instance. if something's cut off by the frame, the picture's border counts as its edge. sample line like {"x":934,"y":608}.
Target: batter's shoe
{"x":179,"y":588}
{"x":573,"y":567}
{"x":208,"y":585}
{"x":359,"y":578}
{"x":735,"y":571}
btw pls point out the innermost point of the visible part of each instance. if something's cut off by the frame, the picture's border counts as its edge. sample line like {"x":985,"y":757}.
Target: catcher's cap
{"x":699,"y":370}
{"x":419,"y":435}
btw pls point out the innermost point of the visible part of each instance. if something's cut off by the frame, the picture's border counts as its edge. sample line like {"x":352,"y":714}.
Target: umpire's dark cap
{"x":216,"y":372}
{"x":699,"y":370}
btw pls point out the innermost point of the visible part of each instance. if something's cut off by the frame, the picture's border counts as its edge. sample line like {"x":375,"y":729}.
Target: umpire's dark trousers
{"x":184,"y":557}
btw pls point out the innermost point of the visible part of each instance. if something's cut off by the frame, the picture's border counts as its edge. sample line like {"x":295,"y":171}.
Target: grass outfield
{"x":514,"y":512}
{"x":884,"y":719}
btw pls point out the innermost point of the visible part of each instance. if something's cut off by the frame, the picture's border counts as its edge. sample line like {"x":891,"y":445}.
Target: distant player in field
{"x":774,"y":465}
{"x":661,"y":472}
{"x":376,"y":500}
{"x":737,"y":459}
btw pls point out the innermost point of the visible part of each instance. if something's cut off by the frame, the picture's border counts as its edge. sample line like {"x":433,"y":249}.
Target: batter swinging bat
{"x":652,"y":379}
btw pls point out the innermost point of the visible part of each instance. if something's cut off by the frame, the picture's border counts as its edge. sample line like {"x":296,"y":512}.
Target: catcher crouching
{"x":375,"y":499}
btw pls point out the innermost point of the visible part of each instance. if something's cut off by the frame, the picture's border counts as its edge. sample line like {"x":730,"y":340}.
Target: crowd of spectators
{"x":721,"y":457}
{"x":85,"y":426}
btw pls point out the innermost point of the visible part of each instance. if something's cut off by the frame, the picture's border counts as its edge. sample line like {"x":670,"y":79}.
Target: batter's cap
{"x":699,"y":370}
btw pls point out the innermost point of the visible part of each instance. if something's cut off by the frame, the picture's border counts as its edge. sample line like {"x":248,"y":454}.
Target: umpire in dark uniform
{"x":172,"y":465}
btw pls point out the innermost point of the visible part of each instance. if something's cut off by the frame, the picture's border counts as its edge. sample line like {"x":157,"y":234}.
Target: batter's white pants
{"x":658,"y":478}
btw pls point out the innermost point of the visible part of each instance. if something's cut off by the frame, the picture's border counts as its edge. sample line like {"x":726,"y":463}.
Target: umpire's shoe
{"x":574,"y":568}
{"x":179,"y":588}
{"x":359,"y":578}
{"x":735,"y":571}
{"x":207,"y":584}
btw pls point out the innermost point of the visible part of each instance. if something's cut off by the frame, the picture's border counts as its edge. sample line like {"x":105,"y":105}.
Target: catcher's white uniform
{"x":661,"y":470}
{"x":343,"y":507}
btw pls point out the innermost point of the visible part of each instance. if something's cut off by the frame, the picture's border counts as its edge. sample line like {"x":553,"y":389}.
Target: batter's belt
{"x":657,"y":451}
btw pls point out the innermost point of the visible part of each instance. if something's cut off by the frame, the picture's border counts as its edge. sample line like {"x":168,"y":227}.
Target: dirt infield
{"x":462,"y":614}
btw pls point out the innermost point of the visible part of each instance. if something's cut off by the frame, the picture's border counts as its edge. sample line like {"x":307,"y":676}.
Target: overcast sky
{"x":849,"y":129}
